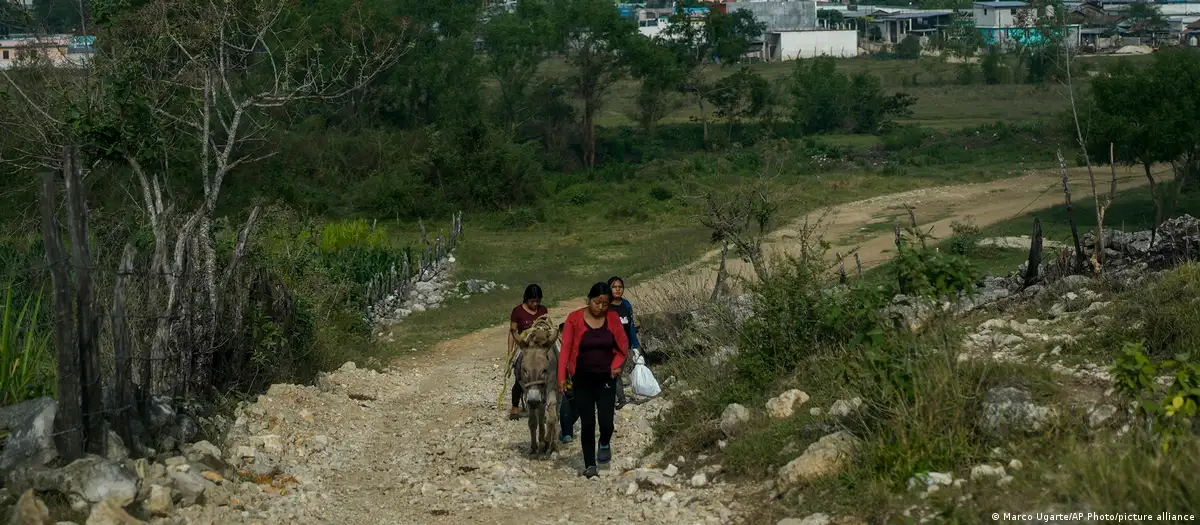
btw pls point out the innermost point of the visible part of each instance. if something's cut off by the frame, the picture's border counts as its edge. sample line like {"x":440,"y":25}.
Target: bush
{"x":909,"y":48}
{"x":927,"y":272}
{"x":964,"y":237}
{"x":1168,"y":314}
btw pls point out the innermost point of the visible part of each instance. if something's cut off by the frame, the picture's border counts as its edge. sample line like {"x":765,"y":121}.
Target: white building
{"x":809,"y":43}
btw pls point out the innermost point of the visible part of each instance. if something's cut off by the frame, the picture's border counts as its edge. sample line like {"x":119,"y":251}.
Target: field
{"x":942,"y":103}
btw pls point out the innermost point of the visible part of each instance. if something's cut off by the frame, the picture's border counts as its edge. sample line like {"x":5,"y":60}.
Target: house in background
{"x":893,"y":27}
{"x":1009,"y":23}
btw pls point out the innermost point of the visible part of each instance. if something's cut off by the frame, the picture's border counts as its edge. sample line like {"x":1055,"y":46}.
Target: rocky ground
{"x":424,"y":442}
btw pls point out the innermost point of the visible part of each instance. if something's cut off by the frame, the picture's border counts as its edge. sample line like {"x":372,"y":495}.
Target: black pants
{"x":595,"y":401}
{"x":516,"y":389}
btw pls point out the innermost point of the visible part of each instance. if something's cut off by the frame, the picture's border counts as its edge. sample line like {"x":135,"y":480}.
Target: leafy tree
{"x":992,"y":66}
{"x":516,"y":44}
{"x":909,"y":48}
{"x":1145,"y":19}
{"x":660,"y":74}
{"x":594,"y":38}
{"x":827,"y":100}
{"x":1145,"y":127}
{"x":740,"y":95}
{"x":719,"y":38}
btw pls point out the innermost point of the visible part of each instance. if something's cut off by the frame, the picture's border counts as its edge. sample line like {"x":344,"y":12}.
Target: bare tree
{"x":742,"y":218}
{"x":1097,"y":259}
{"x":190,"y":98}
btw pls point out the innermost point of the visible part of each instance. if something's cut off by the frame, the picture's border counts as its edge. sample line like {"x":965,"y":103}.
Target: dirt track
{"x":432,"y":446}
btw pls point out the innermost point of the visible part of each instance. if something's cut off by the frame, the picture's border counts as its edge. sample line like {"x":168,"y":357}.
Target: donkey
{"x":538,"y":365}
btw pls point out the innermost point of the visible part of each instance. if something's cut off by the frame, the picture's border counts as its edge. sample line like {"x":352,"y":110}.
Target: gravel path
{"x":424,"y":441}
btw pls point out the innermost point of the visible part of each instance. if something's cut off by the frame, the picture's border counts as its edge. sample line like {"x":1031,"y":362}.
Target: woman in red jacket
{"x":593,"y":349}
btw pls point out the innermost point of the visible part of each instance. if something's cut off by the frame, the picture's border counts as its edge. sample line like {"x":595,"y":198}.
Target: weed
{"x":1172,"y":416}
{"x":26,"y":363}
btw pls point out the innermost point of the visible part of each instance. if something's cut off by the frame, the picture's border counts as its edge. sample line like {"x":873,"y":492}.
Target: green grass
{"x":941,"y":102}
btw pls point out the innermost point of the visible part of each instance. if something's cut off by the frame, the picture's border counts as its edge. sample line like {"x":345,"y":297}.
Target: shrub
{"x":1168,"y":315}
{"x":927,"y":272}
{"x":660,"y":193}
{"x":964,"y":237}
{"x":1172,"y":416}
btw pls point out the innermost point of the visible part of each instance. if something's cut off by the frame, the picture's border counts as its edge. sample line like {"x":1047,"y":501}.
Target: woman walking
{"x":520,"y":320}
{"x":624,"y":310}
{"x":594,"y":348}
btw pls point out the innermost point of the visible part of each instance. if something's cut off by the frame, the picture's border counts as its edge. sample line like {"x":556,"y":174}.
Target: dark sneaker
{"x":621,"y":403}
{"x":515,"y":414}
{"x":565,"y":439}
{"x":604,"y":455}
{"x":590,"y":472}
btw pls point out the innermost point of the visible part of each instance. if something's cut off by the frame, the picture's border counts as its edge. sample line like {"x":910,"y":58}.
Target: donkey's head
{"x":539,"y":366}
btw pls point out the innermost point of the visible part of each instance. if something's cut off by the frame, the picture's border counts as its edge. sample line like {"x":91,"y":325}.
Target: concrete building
{"x":809,"y":43}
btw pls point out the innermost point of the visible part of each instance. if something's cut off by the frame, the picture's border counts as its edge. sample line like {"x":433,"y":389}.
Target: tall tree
{"x":595,"y":40}
{"x":516,"y":45}
{"x":718,"y":38}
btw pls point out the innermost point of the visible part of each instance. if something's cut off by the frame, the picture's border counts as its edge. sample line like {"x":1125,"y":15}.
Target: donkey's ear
{"x":522,"y":340}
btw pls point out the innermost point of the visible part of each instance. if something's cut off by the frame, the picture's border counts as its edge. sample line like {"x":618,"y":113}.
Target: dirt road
{"x":426,"y":443}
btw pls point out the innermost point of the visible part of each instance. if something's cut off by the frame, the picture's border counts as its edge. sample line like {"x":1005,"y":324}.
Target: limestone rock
{"x":1011,"y":410}
{"x":785,"y":404}
{"x":843,"y":408}
{"x":31,"y":429}
{"x":811,"y":519}
{"x":825,"y":457}
{"x":159,"y":502}
{"x":30,"y":510}
{"x":107,"y":513}
{"x":734,"y":418}
{"x":93,"y":478}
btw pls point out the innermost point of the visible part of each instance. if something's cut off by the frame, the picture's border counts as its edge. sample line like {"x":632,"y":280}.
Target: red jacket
{"x":573,"y":330}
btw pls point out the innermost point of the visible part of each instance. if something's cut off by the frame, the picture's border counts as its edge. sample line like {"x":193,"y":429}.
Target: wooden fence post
{"x":123,"y":350}
{"x":87,"y":322}
{"x":68,"y":419}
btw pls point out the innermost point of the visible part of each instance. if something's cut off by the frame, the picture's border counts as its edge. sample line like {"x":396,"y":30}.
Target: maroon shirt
{"x":525,"y":319}
{"x":596,"y":350}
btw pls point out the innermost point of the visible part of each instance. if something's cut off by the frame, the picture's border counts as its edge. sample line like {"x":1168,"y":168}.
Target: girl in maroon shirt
{"x":593,"y":349}
{"x":520,"y":320}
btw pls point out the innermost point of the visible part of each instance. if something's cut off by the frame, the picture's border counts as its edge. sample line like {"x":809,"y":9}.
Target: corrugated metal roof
{"x":1003,"y":4}
{"x":918,"y":14}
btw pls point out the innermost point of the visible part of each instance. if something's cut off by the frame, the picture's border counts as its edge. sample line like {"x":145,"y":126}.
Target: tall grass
{"x":26,"y":363}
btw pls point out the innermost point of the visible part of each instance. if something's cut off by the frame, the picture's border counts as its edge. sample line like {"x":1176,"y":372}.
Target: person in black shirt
{"x":621,"y":305}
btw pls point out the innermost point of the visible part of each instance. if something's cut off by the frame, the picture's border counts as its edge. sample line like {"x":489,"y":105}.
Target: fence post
{"x":68,"y":419}
{"x":1035,"y":254}
{"x":122,"y":350}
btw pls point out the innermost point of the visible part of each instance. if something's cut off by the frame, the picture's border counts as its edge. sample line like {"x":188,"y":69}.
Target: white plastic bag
{"x":642,"y":378}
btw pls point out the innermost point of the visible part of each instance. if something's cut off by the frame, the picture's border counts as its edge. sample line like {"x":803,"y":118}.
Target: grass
{"x":26,"y":363}
{"x":639,"y":221}
{"x":941,"y":102}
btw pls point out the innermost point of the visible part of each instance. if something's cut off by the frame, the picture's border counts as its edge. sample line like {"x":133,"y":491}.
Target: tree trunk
{"x":1158,"y":204}
{"x":1035,"y":254}
{"x":122,"y":351}
{"x":703,"y":117}
{"x":722,"y":273}
{"x":87,"y":322}
{"x":1079,"y":258}
{"x":68,"y":419}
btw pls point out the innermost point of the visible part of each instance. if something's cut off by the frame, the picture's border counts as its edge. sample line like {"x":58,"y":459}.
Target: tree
{"x":595,"y":39}
{"x":827,"y":100}
{"x":740,"y":95}
{"x":718,"y":38}
{"x":516,"y":45}
{"x":1145,"y":19}
{"x":1145,"y":127}
{"x":660,"y":74}
{"x":909,"y":48}
{"x":181,"y":96}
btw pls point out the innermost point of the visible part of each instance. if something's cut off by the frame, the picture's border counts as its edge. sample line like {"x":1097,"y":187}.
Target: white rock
{"x":699,"y":480}
{"x":631,"y":489}
{"x":842,"y":408}
{"x":272,"y":443}
{"x":816,"y":411}
{"x":1100,"y":414}
{"x":811,"y":519}
{"x":784,"y":405}
{"x":979,"y":472}
{"x":1015,"y":464}
{"x":734,"y":418}
{"x":670,"y":471}
{"x":668,"y":497}
{"x":825,"y":457}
